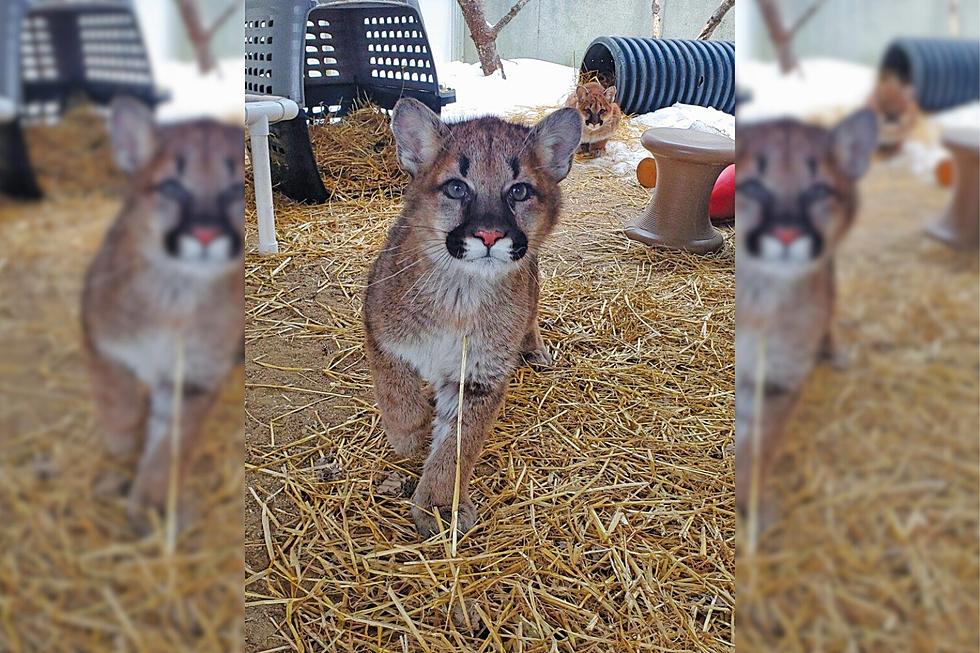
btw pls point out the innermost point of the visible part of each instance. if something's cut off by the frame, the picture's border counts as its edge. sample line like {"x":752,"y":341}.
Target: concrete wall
{"x":561,"y":30}
{"x":166,"y":37}
{"x":857,"y":30}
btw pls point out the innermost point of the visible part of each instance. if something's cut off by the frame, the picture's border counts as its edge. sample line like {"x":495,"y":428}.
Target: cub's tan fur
{"x":600,"y":115}
{"x":462,"y":259}
{"x":895,"y":105}
{"x":796,"y":197}
{"x":168,"y":275}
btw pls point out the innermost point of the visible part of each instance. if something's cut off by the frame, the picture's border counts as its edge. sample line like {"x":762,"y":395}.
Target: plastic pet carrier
{"x":16,"y":175}
{"x":327,"y":55}
{"x":57,"y":52}
{"x":651,"y":74}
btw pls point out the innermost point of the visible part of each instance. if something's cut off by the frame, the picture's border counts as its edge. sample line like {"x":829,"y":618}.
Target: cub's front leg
{"x":406,"y":414}
{"x":149,"y":490}
{"x":769,"y":426}
{"x":122,"y":402}
{"x":481,"y":403}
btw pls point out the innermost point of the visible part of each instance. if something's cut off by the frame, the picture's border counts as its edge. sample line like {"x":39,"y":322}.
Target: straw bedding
{"x":605,"y":491}
{"x":74,"y":155}
{"x":876,"y":548}
{"x":356,"y":155}
{"x":73,"y":574}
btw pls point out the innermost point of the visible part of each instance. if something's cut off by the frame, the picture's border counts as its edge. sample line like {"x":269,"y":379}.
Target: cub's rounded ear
{"x":853,"y":141}
{"x":610,"y":94}
{"x":555,"y":140}
{"x":581,"y":93}
{"x":133,"y":134}
{"x":419,"y":135}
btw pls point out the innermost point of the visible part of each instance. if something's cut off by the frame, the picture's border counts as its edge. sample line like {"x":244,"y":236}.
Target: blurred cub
{"x":796,"y":197}
{"x":460,"y":261}
{"x":600,"y":114}
{"x":168,"y":277}
{"x":897,"y":110}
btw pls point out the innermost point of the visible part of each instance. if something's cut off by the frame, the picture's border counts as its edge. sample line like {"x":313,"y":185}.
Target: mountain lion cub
{"x":796,"y":197}
{"x":600,"y":114}
{"x":168,"y":277}
{"x":461,"y":260}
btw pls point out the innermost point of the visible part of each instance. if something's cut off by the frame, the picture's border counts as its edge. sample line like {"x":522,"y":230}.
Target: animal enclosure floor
{"x":605,"y":491}
{"x":876,"y":545}
{"x":74,"y":575}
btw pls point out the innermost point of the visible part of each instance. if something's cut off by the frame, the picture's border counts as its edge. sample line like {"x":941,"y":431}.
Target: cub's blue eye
{"x":819,"y":192}
{"x":173,"y":189}
{"x":520,"y":192}
{"x":455,"y":189}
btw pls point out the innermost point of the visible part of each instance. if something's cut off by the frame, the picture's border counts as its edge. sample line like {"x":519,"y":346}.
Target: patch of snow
{"x":967,"y":115}
{"x":621,"y":158}
{"x":922,"y":156}
{"x":218,"y":94}
{"x":530,"y":83}
{"x":818,"y":88}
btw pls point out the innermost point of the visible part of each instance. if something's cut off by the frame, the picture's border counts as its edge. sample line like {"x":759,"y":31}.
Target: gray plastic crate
{"x":327,"y":55}
{"x":57,"y":52}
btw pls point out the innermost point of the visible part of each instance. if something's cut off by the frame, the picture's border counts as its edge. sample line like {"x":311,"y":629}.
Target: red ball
{"x":722,"y":203}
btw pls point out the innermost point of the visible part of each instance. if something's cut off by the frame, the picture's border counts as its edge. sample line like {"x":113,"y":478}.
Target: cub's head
{"x":897,"y":110}
{"x":484,"y":192}
{"x":795,"y":188}
{"x":596,"y":104}
{"x":186,"y":187}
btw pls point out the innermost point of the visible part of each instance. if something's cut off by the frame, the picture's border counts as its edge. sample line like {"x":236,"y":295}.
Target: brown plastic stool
{"x":688,"y":163}
{"x":960,"y":226}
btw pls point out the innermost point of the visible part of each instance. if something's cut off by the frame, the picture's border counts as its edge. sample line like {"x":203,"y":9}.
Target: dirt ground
{"x":74,"y":574}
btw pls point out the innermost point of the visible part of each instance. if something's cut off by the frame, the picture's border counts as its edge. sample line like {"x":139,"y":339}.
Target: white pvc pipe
{"x":8,"y":110}
{"x":259,"y":112}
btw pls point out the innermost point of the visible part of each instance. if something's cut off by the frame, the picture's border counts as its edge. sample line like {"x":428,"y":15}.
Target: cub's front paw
{"x":538,"y":357}
{"x":423,"y":514}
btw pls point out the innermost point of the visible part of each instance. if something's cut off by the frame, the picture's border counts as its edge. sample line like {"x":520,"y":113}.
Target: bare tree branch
{"x":224,"y":16}
{"x":780,"y":35}
{"x":954,"y":17}
{"x":502,"y":23}
{"x":190,"y":14}
{"x":805,"y":16}
{"x":715,"y":19}
{"x":657,"y":10}
{"x":484,"y":34}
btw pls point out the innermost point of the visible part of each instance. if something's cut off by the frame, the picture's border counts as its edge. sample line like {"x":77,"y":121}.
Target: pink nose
{"x":489,"y":237}
{"x":205,"y":234}
{"x":786,"y":235}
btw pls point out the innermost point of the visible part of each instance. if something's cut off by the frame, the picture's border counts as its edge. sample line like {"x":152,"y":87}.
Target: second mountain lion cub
{"x":461,"y":260}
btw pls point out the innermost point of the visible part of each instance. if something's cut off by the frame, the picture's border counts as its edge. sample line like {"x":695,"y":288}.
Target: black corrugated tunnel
{"x":651,"y":74}
{"x":944,"y":72}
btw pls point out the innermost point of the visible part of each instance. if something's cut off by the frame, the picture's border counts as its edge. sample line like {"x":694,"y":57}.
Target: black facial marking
{"x":774,"y":217}
{"x":192,"y":215}
{"x":762,"y":162}
{"x":490,"y":214}
{"x":455,"y":242}
{"x":811,"y":163}
{"x":464,"y":165}
{"x":519,"y":249}
{"x":181,"y":164}
{"x":515,"y":166}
